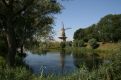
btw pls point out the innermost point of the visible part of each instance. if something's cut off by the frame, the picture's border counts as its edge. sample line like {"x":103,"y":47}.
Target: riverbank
{"x":106,"y":71}
{"x":102,"y":46}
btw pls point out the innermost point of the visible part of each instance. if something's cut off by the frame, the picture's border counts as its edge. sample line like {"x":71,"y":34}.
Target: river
{"x":60,"y":63}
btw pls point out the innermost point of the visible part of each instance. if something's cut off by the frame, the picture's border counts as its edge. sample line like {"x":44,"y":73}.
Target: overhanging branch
{"x":25,"y":7}
{"x":5,"y":3}
{"x":11,"y":4}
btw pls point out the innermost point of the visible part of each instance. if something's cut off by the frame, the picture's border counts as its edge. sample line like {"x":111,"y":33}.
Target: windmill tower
{"x":62,"y":33}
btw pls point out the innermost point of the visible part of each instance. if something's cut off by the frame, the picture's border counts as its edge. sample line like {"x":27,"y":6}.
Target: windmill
{"x":62,"y":33}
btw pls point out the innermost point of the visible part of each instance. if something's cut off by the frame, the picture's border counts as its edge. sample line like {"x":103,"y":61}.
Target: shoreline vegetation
{"x":103,"y":49}
{"x":106,"y":71}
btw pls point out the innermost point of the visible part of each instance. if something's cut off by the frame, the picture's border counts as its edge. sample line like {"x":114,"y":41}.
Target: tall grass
{"x":107,"y":71}
{"x":18,"y":73}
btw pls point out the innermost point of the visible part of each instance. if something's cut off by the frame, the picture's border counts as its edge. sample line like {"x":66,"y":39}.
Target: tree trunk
{"x":11,"y":39}
{"x":21,"y":48}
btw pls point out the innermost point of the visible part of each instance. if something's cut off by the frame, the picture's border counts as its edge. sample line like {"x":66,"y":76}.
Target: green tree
{"x":93,"y":43}
{"x":81,"y":43}
{"x":106,"y":30}
{"x":20,"y":20}
{"x":110,"y":27}
{"x":86,"y":33}
{"x":76,"y":43}
{"x":79,"y":34}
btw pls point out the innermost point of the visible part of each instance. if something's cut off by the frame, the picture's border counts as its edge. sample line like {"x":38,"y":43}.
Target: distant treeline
{"x":108,"y":29}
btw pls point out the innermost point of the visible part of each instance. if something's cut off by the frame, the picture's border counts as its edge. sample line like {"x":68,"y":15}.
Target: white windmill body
{"x":62,"y":33}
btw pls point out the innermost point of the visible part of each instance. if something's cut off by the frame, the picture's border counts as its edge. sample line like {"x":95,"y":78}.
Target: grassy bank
{"x":110,"y":70}
{"x":107,"y":71}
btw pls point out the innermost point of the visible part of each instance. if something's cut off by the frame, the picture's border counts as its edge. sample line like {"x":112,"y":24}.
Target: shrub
{"x":18,"y":73}
{"x":81,"y":43}
{"x":62,"y":45}
{"x":2,"y":61}
{"x":75,"y":43}
{"x":93,"y":43}
{"x":69,"y":43}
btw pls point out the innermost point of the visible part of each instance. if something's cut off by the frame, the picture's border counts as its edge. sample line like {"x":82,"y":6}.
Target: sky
{"x":83,"y":13}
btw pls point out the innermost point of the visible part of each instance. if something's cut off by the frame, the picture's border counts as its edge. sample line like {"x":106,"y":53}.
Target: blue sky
{"x":83,"y":13}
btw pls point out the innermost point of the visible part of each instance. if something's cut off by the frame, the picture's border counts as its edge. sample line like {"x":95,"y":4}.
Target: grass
{"x":106,"y":71}
{"x":17,"y":73}
{"x":103,"y":49}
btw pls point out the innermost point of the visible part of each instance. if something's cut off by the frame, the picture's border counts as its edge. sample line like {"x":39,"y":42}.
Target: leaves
{"x":107,"y":29}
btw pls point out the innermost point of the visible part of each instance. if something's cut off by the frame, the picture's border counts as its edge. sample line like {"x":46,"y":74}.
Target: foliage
{"x":62,"y":45}
{"x":106,"y":71}
{"x":86,"y":34}
{"x":81,"y":43}
{"x":78,"y":43}
{"x":79,"y":34}
{"x":23,"y":20}
{"x":2,"y":61}
{"x":69,"y":43}
{"x":108,"y":29}
{"x":18,"y":73}
{"x":93,"y":43}
{"x":75,"y":43}
{"x":37,"y":22}
{"x":109,"y":70}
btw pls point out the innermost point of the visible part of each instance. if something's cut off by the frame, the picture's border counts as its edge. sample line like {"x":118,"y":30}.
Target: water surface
{"x":59,"y":62}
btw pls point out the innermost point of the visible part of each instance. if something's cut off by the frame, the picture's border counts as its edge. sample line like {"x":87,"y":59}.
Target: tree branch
{"x":5,"y":3}
{"x":11,"y":4}
{"x":1,"y":15}
{"x":25,"y":7}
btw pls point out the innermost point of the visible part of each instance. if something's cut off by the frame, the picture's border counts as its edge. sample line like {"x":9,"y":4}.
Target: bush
{"x":93,"y":43}
{"x":69,"y":43}
{"x":81,"y":43}
{"x":62,"y":45}
{"x":18,"y":73}
{"x":75,"y":43}
{"x":2,"y":61}
{"x":78,"y":43}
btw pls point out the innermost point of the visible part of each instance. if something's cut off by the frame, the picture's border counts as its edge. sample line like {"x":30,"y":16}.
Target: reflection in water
{"x":91,"y":61}
{"x":60,"y":62}
{"x":62,"y":59}
{"x":57,"y":63}
{"x":78,"y":59}
{"x":66,"y":60}
{"x":42,"y":52}
{"x":95,"y":60}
